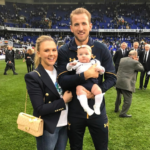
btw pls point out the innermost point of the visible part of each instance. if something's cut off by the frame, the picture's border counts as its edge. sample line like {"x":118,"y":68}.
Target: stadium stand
{"x":56,"y":16}
{"x":104,"y":16}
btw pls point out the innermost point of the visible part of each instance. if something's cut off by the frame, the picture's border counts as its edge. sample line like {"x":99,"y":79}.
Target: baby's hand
{"x":100,"y":69}
{"x":73,"y":63}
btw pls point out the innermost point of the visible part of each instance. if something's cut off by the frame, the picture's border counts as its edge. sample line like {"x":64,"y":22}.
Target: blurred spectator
{"x":9,"y":59}
{"x":28,"y":59}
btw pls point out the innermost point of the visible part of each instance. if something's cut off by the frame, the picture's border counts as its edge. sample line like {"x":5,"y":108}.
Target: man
{"x":145,"y":61}
{"x":77,"y":117}
{"x":126,"y":78}
{"x":9,"y":59}
{"x":120,"y":54}
{"x":136,"y":48}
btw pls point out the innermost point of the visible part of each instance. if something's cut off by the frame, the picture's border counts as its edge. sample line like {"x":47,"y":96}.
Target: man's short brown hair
{"x":78,"y":11}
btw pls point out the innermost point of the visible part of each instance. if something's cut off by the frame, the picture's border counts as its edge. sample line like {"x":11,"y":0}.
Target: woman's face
{"x":48,"y":54}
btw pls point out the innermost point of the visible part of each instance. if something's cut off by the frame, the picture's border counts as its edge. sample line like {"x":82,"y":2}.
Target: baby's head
{"x":84,"y":53}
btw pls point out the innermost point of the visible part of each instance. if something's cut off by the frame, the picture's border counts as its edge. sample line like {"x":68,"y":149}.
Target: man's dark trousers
{"x":144,"y":73}
{"x":8,"y":65}
{"x":98,"y":128}
{"x":127,"y":95}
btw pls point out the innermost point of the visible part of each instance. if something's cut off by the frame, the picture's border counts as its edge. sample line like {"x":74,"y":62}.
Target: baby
{"x":84,"y":62}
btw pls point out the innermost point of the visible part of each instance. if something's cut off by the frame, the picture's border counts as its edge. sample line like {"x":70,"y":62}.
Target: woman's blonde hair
{"x":41,"y":39}
{"x":29,"y":51}
{"x":78,"y":11}
{"x":32,"y":50}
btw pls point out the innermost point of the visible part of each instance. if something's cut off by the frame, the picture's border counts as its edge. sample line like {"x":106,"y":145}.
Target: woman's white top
{"x":64,"y":113}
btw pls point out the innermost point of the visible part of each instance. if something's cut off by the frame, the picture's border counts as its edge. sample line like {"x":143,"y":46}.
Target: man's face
{"x":136,"y":45}
{"x":81,"y":27}
{"x":146,"y":48}
{"x":9,"y":48}
{"x":123,"y":46}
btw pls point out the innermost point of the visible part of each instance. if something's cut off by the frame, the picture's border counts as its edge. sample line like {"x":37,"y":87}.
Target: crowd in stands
{"x":104,"y":16}
{"x":112,"y":42}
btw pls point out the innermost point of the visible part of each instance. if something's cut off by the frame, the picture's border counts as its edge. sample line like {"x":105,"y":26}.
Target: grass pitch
{"x":124,"y":133}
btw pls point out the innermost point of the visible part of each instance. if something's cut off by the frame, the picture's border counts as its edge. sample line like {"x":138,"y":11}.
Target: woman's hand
{"x":67,"y":97}
{"x":91,"y":72}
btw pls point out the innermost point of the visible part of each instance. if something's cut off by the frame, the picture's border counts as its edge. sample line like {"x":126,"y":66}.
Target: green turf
{"x":124,"y":133}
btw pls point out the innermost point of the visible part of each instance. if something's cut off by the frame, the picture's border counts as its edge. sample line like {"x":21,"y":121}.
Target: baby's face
{"x":84,"y":55}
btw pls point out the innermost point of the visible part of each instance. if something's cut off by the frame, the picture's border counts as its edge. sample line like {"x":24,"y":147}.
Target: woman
{"x":28,"y":59}
{"x":45,"y":95}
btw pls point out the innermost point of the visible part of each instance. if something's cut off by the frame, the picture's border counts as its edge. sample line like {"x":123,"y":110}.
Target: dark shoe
{"x":15,"y":73}
{"x":5,"y":73}
{"x":140,"y":88}
{"x":125,"y":116}
{"x":116,"y":111}
{"x":144,"y":88}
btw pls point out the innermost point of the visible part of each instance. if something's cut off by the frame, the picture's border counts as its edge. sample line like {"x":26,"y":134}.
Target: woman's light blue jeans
{"x":55,"y":141}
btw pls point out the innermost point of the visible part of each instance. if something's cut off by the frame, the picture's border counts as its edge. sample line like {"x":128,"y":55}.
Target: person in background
{"x":144,"y":58}
{"x":126,"y":79}
{"x":136,"y":48}
{"x":28,"y":59}
{"x":120,"y":54}
{"x":9,"y":59}
{"x":46,"y":96}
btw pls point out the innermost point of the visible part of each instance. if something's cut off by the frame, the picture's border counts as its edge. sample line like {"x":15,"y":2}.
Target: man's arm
{"x":139,"y":66}
{"x":109,"y":76}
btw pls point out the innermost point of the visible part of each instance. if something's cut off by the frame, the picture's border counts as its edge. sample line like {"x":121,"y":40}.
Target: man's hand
{"x":136,"y":58}
{"x":9,"y":62}
{"x":91,"y":72}
{"x":88,"y":94}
